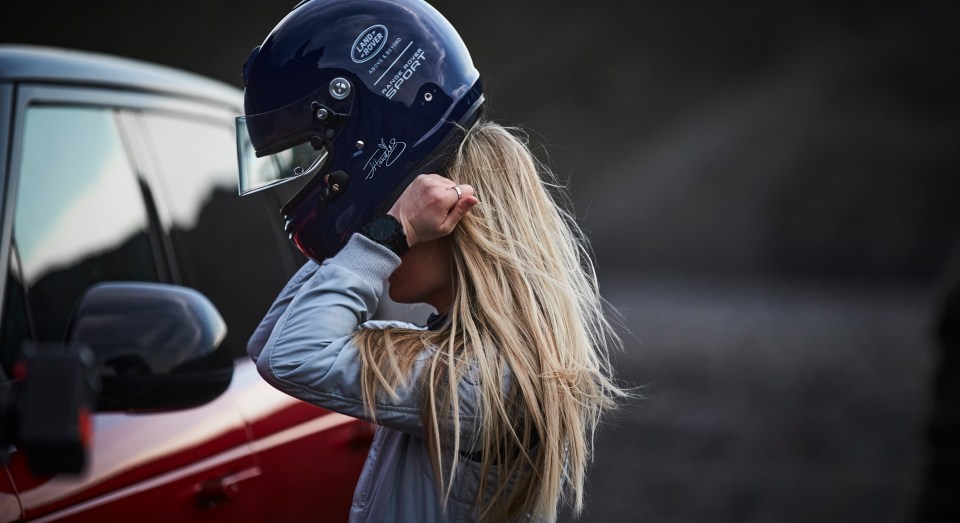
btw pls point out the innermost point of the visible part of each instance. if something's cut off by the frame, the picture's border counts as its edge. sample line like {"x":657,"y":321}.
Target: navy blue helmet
{"x":359,"y":96}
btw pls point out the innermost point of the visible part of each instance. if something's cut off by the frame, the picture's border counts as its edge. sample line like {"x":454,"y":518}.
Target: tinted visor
{"x":273,"y":169}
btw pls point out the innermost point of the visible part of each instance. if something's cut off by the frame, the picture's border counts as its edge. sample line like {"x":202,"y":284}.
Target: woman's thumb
{"x":461,"y":209}
{"x":465,"y":204}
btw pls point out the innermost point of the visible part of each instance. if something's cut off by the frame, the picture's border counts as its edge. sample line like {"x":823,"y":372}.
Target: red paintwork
{"x":283,"y":460}
{"x":9,"y":504}
{"x":310,"y":478}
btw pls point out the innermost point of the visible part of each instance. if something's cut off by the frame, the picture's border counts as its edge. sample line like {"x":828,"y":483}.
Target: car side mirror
{"x":155,"y":345}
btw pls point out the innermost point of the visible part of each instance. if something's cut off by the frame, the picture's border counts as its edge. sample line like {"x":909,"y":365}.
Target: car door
{"x":232,"y":249}
{"x":82,"y":213}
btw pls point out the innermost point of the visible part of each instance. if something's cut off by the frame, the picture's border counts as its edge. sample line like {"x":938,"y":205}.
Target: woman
{"x":489,"y":413}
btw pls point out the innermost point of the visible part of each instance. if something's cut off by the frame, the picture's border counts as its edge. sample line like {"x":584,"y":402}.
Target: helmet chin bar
{"x":334,"y":183}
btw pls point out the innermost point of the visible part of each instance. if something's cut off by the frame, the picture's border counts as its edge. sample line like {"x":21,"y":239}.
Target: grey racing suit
{"x":304,"y":347}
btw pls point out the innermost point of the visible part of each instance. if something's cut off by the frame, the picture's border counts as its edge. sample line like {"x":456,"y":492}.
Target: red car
{"x":119,"y":171}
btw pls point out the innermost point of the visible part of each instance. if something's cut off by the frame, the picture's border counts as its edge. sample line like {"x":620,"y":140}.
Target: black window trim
{"x":7,"y":185}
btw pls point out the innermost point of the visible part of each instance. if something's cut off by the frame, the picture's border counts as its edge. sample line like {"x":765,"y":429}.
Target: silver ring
{"x":459,"y":194}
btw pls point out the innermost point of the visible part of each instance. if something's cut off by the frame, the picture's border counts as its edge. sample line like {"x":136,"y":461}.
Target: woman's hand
{"x":430,"y":207}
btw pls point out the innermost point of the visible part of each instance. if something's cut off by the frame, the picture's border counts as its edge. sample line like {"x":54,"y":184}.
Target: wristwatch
{"x":387,"y":231}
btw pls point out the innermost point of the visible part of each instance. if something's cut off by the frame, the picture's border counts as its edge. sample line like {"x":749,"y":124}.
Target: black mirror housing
{"x":54,"y":430}
{"x":156,"y":345}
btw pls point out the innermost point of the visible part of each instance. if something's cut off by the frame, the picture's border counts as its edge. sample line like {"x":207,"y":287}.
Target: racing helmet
{"x":358,"y":97}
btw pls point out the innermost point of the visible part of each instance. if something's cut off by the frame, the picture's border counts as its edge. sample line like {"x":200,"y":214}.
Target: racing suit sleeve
{"x":262,"y":333}
{"x":310,"y":353}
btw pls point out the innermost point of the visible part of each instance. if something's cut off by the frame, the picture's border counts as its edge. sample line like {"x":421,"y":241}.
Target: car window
{"x":230,"y":248}
{"x":79,"y":215}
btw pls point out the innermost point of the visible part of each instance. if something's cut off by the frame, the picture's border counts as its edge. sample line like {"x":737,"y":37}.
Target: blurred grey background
{"x":772,"y":193}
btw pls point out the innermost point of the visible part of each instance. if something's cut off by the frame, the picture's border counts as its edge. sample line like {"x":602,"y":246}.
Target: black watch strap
{"x":387,"y":231}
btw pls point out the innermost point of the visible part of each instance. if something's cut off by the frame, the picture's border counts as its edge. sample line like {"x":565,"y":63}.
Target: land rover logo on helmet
{"x":369,"y":43}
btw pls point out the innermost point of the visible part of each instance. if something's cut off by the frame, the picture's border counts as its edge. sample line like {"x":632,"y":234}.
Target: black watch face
{"x":382,"y":229}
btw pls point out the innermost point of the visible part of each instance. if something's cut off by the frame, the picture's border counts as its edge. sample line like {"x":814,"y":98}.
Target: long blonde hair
{"x":527,"y":313}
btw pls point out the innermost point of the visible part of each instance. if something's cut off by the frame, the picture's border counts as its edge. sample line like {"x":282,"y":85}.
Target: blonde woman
{"x":488,"y":412}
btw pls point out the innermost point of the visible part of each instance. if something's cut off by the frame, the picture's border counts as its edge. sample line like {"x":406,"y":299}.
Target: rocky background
{"x":772,"y":191}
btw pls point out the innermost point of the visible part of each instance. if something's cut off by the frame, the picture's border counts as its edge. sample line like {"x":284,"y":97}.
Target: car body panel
{"x":284,"y":432}
{"x":157,"y":460}
{"x":10,"y":508}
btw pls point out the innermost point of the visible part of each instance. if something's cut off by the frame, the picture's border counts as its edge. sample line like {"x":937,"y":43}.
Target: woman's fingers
{"x":431,"y":206}
{"x":459,"y":191}
{"x":459,"y":210}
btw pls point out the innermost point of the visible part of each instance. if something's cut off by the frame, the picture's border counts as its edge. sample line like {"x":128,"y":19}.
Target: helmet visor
{"x":273,"y":169}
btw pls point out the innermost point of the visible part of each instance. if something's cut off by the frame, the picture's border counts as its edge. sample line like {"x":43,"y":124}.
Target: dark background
{"x":772,"y":192}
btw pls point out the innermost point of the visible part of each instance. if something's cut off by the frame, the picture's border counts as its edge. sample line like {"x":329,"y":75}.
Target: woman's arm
{"x":310,"y":353}
{"x":262,"y":333}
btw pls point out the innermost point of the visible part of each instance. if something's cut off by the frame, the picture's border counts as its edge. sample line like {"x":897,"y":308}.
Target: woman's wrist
{"x":388,"y":231}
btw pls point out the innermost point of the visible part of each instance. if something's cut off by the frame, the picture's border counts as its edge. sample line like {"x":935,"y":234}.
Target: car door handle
{"x":213,"y":492}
